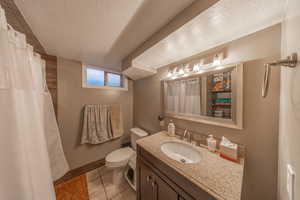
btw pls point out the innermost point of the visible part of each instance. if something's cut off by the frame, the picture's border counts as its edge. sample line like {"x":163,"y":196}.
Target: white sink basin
{"x":181,"y":152}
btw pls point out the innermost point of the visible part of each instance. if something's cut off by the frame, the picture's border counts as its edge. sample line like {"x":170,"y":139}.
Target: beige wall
{"x":71,"y":99}
{"x":289,"y":131}
{"x":260,"y":132}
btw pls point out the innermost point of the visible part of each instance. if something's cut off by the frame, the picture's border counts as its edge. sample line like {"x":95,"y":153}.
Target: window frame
{"x":106,"y":79}
{"x":124,"y":80}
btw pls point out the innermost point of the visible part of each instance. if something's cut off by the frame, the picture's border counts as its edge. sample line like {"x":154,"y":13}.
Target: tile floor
{"x":100,"y":186}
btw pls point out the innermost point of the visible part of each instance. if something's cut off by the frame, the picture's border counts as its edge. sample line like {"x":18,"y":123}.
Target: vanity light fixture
{"x":172,"y":74}
{"x":181,"y":71}
{"x":217,"y":59}
{"x":169,"y":75}
{"x":216,"y":62}
{"x":175,"y":71}
{"x":196,"y":68}
{"x":187,"y":68}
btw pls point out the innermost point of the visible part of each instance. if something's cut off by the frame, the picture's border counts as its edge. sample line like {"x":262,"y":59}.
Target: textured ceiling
{"x":225,"y":21}
{"x":99,"y":32}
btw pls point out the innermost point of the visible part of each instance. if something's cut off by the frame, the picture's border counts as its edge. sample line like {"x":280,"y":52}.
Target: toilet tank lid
{"x":139,"y":132}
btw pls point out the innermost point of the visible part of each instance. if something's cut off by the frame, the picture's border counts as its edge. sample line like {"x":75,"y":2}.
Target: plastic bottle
{"x":171,"y":129}
{"x":211,"y":143}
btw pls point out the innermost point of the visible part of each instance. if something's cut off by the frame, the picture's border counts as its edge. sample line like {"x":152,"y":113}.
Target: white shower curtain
{"x":28,"y":131}
{"x":183,"y":96}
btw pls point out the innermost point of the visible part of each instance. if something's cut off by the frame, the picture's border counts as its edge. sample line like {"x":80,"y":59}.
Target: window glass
{"x":94,"y":77}
{"x":113,"y":80}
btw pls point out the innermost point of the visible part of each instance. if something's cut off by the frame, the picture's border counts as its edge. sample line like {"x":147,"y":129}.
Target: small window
{"x":94,"y":77}
{"x":113,"y":80}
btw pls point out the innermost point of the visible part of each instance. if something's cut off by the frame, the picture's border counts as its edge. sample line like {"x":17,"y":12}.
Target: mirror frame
{"x":236,"y":122}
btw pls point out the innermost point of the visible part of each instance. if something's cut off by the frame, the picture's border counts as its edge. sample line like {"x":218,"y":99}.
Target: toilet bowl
{"x":123,"y":159}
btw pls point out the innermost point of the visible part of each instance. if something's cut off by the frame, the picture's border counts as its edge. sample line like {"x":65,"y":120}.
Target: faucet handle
{"x":184,"y":133}
{"x":190,"y":135}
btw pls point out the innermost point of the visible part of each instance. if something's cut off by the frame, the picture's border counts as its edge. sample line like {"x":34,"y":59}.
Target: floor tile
{"x":98,"y":195}
{"x":128,"y":194}
{"x":112,"y":190}
{"x":104,"y":170}
{"x":92,"y":175}
{"x":95,"y":186}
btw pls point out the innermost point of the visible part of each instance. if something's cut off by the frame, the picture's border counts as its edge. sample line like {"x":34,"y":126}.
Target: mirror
{"x":214,"y":96}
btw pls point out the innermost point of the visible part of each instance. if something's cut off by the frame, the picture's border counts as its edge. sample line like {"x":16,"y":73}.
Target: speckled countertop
{"x":219,"y":177}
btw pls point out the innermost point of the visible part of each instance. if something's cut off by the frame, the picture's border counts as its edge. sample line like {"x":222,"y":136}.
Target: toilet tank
{"x":136,"y":133}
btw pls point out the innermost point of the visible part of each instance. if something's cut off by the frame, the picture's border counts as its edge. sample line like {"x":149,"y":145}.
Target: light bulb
{"x":217,"y":59}
{"x":216,"y":62}
{"x":175,"y":71}
{"x":181,"y":71}
{"x":196,"y":68}
{"x":186,"y":69}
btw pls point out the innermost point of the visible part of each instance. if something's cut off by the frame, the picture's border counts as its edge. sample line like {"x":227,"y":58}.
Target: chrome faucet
{"x":184,"y":133}
{"x":187,"y":135}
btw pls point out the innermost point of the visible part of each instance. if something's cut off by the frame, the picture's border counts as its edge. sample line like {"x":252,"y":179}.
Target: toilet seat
{"x":119,"y":157}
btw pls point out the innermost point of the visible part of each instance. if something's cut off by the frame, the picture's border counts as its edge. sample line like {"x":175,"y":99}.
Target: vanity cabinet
{"x":158,"y":181}
{"x":153,"y":187}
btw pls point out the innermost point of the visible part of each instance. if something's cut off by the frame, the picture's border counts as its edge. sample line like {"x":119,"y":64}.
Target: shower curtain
{"x":28,"y":131}
{"x":183,"y":96}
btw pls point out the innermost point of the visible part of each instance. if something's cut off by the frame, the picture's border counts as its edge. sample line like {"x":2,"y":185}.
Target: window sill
{"x":106,"y":88}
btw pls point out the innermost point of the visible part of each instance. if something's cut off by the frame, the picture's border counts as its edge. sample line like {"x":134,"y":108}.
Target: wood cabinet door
{"x":163,"y":191}
{"x":152,"y":187}
{"x":146,"y":183}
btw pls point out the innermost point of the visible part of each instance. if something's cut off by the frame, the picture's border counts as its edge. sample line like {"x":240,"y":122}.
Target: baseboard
{"x":80,"y":170}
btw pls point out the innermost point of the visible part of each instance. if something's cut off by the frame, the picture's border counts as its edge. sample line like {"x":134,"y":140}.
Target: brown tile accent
{"x":74,"y":189}
{"x":81,"y":170}
{"x":17,"y":21}
{"x":51,"y":77}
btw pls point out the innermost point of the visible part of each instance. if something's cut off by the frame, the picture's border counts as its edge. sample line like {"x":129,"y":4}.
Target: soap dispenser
{"x":211,"y":143}
{"x":171,"y":129}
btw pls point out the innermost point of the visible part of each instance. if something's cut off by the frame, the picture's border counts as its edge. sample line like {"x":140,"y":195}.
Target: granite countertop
{"x":219,"y":177}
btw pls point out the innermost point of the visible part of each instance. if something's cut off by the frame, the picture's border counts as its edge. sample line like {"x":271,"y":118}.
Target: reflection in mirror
{"x":219,"y":95}
{"x":213,"y":96}
{"x":183,"y":96}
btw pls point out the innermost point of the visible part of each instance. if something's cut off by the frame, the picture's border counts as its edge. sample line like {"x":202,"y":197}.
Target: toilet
{"x":123,"y":161}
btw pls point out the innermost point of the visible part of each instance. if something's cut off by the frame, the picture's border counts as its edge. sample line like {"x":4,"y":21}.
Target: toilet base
{"x":117,"y":176}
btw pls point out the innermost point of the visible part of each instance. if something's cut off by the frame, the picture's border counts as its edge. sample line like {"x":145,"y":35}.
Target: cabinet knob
{"x":154,"y":189}
{"x":149,"y":178}
{"x":153,"y":184}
